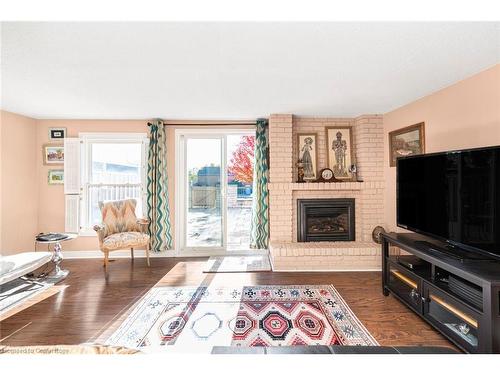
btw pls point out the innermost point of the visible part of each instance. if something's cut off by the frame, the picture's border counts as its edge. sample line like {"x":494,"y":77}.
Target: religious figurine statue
{"x":300,"y":171}
{"x":354,"y":171}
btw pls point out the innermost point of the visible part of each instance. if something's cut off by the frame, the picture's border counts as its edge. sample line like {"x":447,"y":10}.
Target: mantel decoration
{"x":308,"y":155}
{"x":340,"y":152}
{"x":354,"y":171}
{"x":300,"y":172}
{"x":327,"y":175}
{"x":53,"y":154}
{"x":406,"y":141}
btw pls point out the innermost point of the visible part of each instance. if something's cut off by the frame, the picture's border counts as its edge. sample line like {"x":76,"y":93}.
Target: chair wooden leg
{"x":106,"y":259}
{"x":132,"y":253}
{"x":147,"y":255}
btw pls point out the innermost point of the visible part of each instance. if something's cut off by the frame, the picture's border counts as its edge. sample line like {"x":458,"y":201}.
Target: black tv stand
{"x":458,"y":294}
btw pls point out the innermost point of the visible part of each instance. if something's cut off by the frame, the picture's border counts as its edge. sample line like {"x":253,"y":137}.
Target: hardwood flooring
{"x":93,"y":299}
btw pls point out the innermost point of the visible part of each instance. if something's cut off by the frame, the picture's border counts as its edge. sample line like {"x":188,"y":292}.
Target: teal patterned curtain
{"x":259,"y":236}
{"x":157,"y":189}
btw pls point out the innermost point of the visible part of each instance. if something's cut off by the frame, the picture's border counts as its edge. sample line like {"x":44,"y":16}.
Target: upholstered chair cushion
{"x":125,"y":240}
{"x":119,"y":216}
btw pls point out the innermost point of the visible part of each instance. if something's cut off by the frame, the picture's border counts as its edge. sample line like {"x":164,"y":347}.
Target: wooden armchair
{"x":120,"y":228}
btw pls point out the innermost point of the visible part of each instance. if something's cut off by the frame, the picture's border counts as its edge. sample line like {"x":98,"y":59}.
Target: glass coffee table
{"x":56,"y":249}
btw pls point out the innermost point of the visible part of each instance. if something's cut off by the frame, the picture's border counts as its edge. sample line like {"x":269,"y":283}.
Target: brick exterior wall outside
{"x":286,"y":252}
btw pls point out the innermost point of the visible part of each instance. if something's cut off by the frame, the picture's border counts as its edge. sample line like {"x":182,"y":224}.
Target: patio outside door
{"x":214,"y":190}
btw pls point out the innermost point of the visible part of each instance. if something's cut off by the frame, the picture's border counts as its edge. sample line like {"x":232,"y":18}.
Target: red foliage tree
{"x":241,"y":163}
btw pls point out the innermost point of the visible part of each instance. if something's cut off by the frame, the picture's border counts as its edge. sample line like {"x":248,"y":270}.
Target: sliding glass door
{"x":214,"y":190}
{"x":204,"y":203}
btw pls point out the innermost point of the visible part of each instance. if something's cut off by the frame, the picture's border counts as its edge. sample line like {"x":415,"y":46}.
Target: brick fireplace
{"x":287,"y":250}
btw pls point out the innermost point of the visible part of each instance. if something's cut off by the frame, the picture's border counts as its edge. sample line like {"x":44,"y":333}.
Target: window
{"x":113,"y":168}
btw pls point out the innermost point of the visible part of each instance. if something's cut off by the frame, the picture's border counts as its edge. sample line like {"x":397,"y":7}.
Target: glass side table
{"x":58,"y":256}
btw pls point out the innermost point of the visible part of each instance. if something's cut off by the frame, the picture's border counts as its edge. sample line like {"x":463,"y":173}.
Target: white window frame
{"x":87,"y":139}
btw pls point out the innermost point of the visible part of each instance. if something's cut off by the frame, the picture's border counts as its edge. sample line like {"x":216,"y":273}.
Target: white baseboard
{"x":92,"y":254}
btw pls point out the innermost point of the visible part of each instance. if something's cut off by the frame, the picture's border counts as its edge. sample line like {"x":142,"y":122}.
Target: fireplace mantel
{"x":356,"y":185}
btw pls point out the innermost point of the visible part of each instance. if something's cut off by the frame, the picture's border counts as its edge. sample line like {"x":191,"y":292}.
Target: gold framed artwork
{"x":308,"y":154}
{"x":53,"y":154}
{"x":406,"y":141}
{"x":340,"y":151}
{"x":56,"y":177}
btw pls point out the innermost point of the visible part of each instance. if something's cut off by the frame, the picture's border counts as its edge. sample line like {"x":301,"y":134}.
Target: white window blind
{"x":72,"y":166}
{"x":72,"y":188}
{"x":72,"y":210}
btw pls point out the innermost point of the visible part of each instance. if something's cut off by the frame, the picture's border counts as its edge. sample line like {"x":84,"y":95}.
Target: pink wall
{"x":18,"y":183}
{"x":30,"y":205}
{"x":464,"y":115}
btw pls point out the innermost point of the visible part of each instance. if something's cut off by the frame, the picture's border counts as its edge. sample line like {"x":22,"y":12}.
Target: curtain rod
{"x":210,"y":122}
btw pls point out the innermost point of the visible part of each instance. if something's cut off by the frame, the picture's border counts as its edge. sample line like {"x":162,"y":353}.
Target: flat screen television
{"x":452,"y":196}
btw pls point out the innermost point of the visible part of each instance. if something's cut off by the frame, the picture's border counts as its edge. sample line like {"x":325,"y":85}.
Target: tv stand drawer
{"x":457,"y":321}
{"x":405,"y":285}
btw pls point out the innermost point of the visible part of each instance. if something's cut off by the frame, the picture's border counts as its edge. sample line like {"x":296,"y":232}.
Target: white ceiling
{"x":234,"y":70}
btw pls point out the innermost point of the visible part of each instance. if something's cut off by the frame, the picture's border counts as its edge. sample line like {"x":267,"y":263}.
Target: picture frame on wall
{"x":57,"y":133}
{"x":53,"y":154}
{"x":307,"y":152}
{"x":406,"y":141}
{"x":340,"y":151}
{"x":56,"y":177}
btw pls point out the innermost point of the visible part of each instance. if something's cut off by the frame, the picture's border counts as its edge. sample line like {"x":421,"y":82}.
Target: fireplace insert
{"x":325,"y":220}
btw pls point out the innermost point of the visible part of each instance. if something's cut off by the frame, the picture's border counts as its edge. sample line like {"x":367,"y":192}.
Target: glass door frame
{"x":181,"y":135}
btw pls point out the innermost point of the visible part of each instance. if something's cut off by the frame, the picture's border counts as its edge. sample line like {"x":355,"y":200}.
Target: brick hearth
{"x":288,"y":254}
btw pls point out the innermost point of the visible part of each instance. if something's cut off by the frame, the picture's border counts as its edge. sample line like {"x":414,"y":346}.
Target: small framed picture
{"x":57,"y":133}
{"x":340,"y":152}
{"x":406,"y":141}
{"x":56,"y":177}
{"x":53,"y":154}
{"x":308,"y":154}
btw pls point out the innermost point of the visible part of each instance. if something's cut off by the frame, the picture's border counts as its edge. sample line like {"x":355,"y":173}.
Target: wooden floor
{"x":94,"y":299}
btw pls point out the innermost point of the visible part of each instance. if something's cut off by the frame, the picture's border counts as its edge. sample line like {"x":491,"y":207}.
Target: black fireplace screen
{"x":325,"y":220}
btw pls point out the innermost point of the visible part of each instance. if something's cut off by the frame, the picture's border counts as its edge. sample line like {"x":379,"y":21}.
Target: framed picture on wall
{"x":340,"y":151}
{"x":56,"y":177}
{"x":53,"y":154}
{"x":308,"y":154}
{"x":406,"y":141}
{"x":57,"y":133}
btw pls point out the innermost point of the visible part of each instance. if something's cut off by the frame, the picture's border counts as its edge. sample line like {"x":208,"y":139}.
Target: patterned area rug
{"x":231,"y":263}
{"x":196,"y":319}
